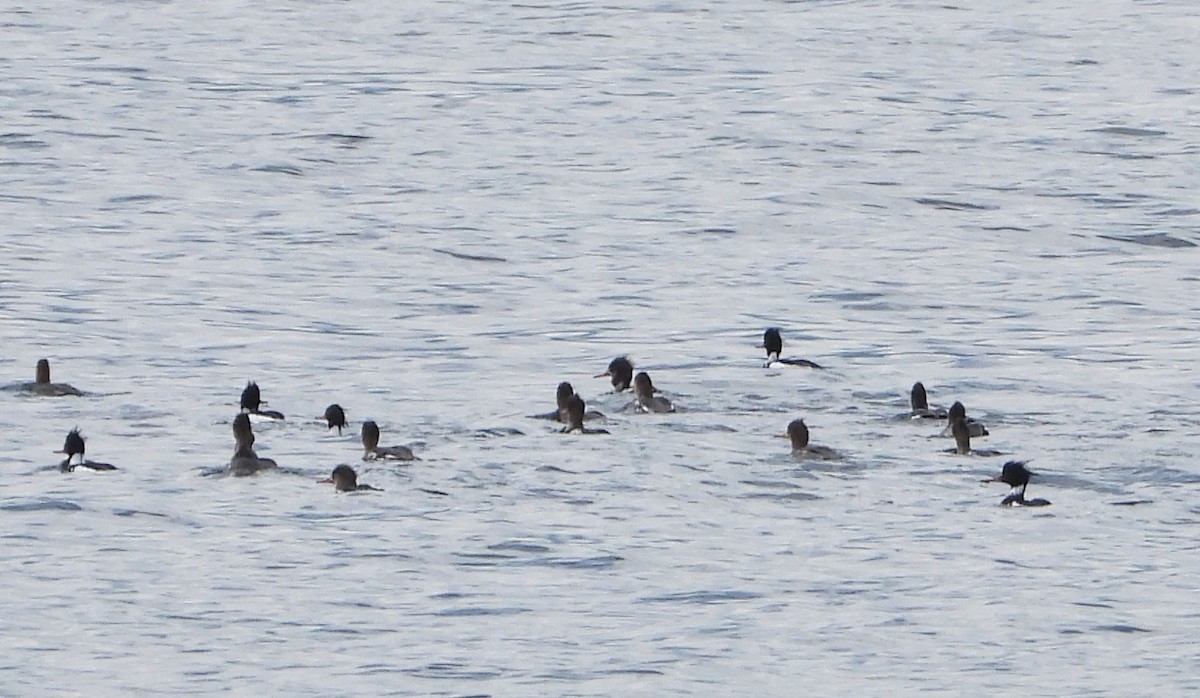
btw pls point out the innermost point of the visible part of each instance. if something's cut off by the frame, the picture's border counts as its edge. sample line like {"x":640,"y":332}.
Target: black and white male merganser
{"x":773,"y":343}
{"x":1015,"y":475}
{"x":252,"y":401}
{"x":74,"y":446}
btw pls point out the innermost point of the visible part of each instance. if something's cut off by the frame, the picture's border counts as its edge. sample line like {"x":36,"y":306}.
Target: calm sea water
{"x":431,"y":213}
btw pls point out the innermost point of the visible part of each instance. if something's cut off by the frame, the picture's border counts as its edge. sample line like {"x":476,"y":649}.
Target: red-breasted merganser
{"x":245,"y":461}
{"x":1015,"y":475}
{"x":647,"y":401}
{"x":797,"y":431}
{"x":42,"y":385}
{"x":252,"y":400}
{"x":564,"y":393}
{"x":957,"y":411}
{"x":962,"y":440}
{"x":576,"y":412}
{"x":72,"y":447}
{"x":920,"y":404}
{"x":620,"y":370}
{"x":335,"y":416}
{"x":372,"y":449}
{"x":344,"y":479}
{"x":773,"y":343}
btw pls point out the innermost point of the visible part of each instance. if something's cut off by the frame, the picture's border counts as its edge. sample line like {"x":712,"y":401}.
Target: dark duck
{"x":344,"y":479}
{"x":576,"y":413}
{"x":245,"y":461}
{"x":647,"y":401}
{"x":920,"y":404}
{"x":372,"y":449}
{"x":334,"y":416}
{"x":961,"y":430}
{"x":42,"y":385}
{"x":563,"y":395}
{"x":797,"y":431}
{"x":958,"y":412}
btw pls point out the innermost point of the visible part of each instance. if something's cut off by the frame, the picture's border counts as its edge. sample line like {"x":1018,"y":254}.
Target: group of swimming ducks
{"x":571,"y":411}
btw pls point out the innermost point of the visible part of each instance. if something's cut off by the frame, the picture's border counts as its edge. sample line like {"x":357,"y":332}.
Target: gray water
{"x":433,"y":212}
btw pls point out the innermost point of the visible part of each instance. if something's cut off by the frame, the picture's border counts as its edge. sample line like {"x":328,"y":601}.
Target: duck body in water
{"x":962,"y":440}
{"x":372,"y":450}
{"x":562,"y":396}
{"x":74,"y":446}
{"x":344,"y":479}
{"x":576,"y":414}
{"x":245,"y":461}
{"x":1016,"y":475}
{"x":42,"y":385}
{"x":920,"y":404}
{"x":958,"y":412}
{"x":797,"y":431}
{"x":773,"y":343}
{"x":252,"y":401}
{"x":647,"y":401}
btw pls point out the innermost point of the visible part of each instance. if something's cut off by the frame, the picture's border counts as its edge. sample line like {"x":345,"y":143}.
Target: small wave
{"x":279,"y":169}
{"x":703,"y":597}
{"x":42,"y":505}
{"x":1129,"y":131}
{"x":1152,"y":240}
{"x":949,"y":205}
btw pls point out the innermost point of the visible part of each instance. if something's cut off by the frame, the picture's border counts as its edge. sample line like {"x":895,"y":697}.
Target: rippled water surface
{"x":433,"y":212}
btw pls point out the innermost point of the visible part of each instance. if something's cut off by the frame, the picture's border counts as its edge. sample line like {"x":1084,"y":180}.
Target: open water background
{"x":433,"y":212}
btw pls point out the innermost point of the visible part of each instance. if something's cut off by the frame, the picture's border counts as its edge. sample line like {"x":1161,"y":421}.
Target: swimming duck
{"x":252,"y":400}
{"x":920,"y":404}
{"x":372,"y":450}
{"x":564,"y":393}
{"x":245,"y":461}
{"x":773,"y":343}
{"x":74,"y":446}
{"x":620,"y":370}
{"x":647,"y":401}
{"x":344,"y":479}
{"x":42,"y":385}
{"x":957,"y":411}
{"x":962,"y":440}
{"x":576,"y":412}
{"x":1015,"y":475}
{"x":335,"y":416}
{"x":797,"y":431}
